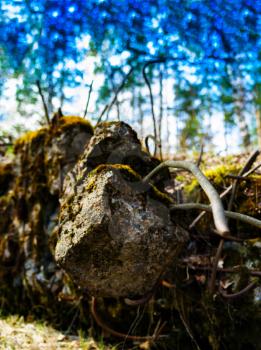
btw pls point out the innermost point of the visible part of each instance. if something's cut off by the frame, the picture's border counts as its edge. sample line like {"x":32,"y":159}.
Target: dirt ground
{"x":15,"y":334}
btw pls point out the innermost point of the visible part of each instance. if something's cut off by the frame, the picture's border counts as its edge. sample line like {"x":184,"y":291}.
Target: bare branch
{"x":111,"y":331}
{"x":223,"y":270}
{"x":215,"y":266}
{"x":222,"y":195}
{"x":216,"y":204}
{"x":246,"y":167}
{"x":251,"y":159}
{"x":249,"y":287}
{"x":108,"y":106}
{"x":237,"y":177}
{"x":151,"y":96}
{"x":44,"y":103}
{"x":237,"y":216}
{"x":147,"y":142}
{"x":200,"y":154}
{"x":88,"y":100}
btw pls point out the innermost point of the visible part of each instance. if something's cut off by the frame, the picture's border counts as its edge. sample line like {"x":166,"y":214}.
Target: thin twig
{"x":251,"y":159}
{"x":212,"y":281}
{"x":167,"y":284}
{"x":222,"y":195}
{"x":88,"y":100}
{"x":249,"y":287}
{"x":229,"y":238}
{"x":141,"y":301}
{"x":102,"y":113}
{"x":151,"y":97}
{"x":237,"y":177}
{"x":59,"y":113}
{"x":160,"y":113}
{"x":147,"y":143}
{"x":188,"y":330}
{"x":43,"y":101}
{"x":200,"y":154}
{"x":111,"y":331}
{"x":220,"y":269}
{"x":237,"y":216}
{"x":216,"y":204}
{"x":108,"y":106}
{"x":158,"y":330}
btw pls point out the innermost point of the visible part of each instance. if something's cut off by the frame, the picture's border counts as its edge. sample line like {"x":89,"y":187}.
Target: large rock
{"x":116,"y":235}
{"x":115,"y":143}
{"x":29,"y":204}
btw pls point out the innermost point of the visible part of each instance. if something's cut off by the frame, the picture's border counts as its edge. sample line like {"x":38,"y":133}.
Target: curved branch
{"x":215,"y":201}
{"x":237,"y":269}
{"x":111,"y":331}
{"x":251,"y":159}
{"x":147,"y":143}
{"x":249,"y":287}
{"x":151,"y":97}
{"x":141,"y":301}
{"x":237,"y":216}
{"x":223,"y":194}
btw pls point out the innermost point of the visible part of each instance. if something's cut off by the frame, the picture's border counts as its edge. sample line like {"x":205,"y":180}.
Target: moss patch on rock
{"x":69,"y":121}
{"x":130,"y":175}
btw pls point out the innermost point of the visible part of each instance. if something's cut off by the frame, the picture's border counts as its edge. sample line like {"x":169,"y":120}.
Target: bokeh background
{"x":204,"y":72}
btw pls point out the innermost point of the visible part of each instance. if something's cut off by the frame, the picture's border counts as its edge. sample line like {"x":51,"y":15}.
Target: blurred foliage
{"x":209,"y":47}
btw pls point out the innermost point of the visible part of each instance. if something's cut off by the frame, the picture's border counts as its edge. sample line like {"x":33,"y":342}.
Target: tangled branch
{"x":216,"y":204}
{"x":242,"y":292}
{"x":237,"y":216}
{"x":111,"y":331}
{"x":223,"y":194}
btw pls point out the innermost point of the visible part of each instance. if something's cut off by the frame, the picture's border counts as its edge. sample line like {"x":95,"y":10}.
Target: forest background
{"x":191,"y":65}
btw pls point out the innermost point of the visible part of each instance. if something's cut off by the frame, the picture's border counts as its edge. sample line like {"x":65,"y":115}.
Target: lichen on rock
{"x":29,"y":204}
{"x":116,"y":235}
{"x":117,"y":143}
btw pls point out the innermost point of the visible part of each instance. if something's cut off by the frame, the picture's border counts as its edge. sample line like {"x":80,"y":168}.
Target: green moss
{"x":64,"y":124}
{"x":130,"y":175}
{"x":125,"y":169}
{"x":91,"y":185}
{"x":69,"y":121}
{"x":29,"y":136}
{"x":162,"y":196}
{"x":217,"y":175}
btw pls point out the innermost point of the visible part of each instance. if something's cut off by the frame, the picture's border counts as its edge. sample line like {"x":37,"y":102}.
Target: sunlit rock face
{"x":115,"y":238}
{"x":115,"y":143}
{"x":116,"y":235}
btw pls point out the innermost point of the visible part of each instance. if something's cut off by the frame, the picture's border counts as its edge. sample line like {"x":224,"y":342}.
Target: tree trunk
{"x":258,"y":113}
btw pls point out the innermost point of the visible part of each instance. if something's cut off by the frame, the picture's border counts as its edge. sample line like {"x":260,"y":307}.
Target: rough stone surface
{"x":116,"y":238}
{"x":115,"y":143}
{"x":29,"y":204}
{"x":62,"y":152}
